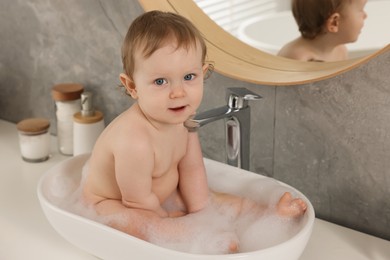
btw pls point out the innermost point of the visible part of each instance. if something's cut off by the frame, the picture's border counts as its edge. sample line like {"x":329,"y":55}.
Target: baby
{"x":146,"y":158}
{"x":325,"y":26}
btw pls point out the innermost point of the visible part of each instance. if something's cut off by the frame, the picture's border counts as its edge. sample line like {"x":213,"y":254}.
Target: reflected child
{"x":325,"y":27}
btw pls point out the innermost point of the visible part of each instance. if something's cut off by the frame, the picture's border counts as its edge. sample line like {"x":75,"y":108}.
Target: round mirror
{"x":269,"y":24}
{"x":236,"y":59}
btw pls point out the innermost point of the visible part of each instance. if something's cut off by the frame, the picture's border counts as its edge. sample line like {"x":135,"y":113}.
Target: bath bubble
{"x":64,"y":190}
{"x":216,"y":228}
{"x":213,"y":230}
{"x":205,"y":232}
{"x":265,"y":232}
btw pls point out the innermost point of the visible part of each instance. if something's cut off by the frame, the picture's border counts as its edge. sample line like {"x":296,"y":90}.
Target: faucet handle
{"x":238,"y":98}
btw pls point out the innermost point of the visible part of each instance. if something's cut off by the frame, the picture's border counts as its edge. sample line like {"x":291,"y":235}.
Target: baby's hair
{"x":311,"y":15}
{"x":152,"y":30}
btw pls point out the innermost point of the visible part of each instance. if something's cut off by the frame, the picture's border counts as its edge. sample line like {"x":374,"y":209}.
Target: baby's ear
{"x":332,"y":24}
{"x":207,"y":70}
{"x":129,"y":85}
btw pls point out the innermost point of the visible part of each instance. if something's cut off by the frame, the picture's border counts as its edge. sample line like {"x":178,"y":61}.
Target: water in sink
{"x":58,"y":195}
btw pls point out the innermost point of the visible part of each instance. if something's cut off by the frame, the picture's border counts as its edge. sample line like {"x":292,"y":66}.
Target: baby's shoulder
{"x":297,"y":49}
{"x":125,"y":130}
{"x":341,"y":52}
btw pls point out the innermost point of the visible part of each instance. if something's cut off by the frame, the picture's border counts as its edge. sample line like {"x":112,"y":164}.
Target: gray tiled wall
{"x":329,"y":139}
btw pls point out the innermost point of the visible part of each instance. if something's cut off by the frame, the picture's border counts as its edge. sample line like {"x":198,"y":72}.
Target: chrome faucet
{"x":237,"y":124}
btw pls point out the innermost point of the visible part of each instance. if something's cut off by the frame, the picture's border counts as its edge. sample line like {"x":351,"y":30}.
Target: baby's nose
{"x":177,"y":91}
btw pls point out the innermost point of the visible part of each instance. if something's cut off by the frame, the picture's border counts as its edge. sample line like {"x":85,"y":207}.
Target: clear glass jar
{"x":67,"y":99}
{"x":34,"y":139}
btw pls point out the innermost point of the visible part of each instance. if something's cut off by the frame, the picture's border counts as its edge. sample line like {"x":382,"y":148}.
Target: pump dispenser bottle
{"x":87,"y":126}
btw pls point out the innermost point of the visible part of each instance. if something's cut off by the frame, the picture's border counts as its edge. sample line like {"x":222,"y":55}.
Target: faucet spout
{"x":201,"y":119}
{"x":237,"y":125}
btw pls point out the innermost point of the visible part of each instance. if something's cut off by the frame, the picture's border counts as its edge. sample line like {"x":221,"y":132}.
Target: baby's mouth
{"x":176,"y":109}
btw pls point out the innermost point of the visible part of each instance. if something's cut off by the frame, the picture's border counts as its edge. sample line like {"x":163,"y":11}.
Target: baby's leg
{"x":290,"y":207}
{"x":148,"y":226}
{"x":286,"y":207}
{"x":138,"y":222}
{"x":237,"y":205}
{"x":176,"y":207}
{"x":131,"y":221}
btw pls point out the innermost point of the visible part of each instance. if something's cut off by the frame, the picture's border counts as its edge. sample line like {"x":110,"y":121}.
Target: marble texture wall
{"x":329,"y":139}
{"x":332,"y":140}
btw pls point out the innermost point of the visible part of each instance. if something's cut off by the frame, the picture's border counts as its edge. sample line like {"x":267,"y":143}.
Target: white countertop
{"x":25,"y":233}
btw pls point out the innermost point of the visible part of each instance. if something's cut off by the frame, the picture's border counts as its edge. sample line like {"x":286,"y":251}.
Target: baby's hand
{"x":290,"y":207}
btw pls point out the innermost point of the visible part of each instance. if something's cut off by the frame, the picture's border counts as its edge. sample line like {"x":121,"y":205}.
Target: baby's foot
{"x":290,"y":207}
{"x":225,"y":242}
{"x":233,"y":247}
{"x":233,"y":244}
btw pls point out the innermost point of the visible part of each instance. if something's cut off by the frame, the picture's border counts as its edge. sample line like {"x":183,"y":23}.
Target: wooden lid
{"x":33,"y":126}
{"x":67,"y":91}
{"x":88,"y":119}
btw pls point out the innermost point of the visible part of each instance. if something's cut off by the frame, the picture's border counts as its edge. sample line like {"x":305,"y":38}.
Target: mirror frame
{"x":236,"y":59}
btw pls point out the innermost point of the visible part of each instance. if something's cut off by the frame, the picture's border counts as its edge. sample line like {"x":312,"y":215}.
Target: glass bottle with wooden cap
{"x":34,"y":139}
{"x":67,"y":99}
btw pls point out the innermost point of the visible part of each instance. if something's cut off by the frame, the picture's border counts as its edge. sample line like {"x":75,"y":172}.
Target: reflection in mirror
{"x":236,"y":59}
{"x":269,"y":24}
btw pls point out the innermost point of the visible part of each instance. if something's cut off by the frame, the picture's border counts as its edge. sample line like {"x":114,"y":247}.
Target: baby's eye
{"x":190,"y":76}
{"x":160,"y":81}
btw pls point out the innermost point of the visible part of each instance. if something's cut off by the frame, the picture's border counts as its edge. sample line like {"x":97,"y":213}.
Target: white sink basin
{"x":110,"y":244}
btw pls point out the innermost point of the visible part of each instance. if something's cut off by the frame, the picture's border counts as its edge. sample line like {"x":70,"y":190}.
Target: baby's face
{"x":352,"y":20}
{"x":169,"y":83}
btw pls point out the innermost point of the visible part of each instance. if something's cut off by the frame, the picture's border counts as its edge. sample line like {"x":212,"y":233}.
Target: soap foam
{"x":210,"y":231}
{"x":213,"y":229}
{"x":206,"y":232}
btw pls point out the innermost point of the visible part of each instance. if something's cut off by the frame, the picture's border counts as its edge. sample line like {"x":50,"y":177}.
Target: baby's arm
{"x":192,"y":176}
{"x":134,"y":165}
